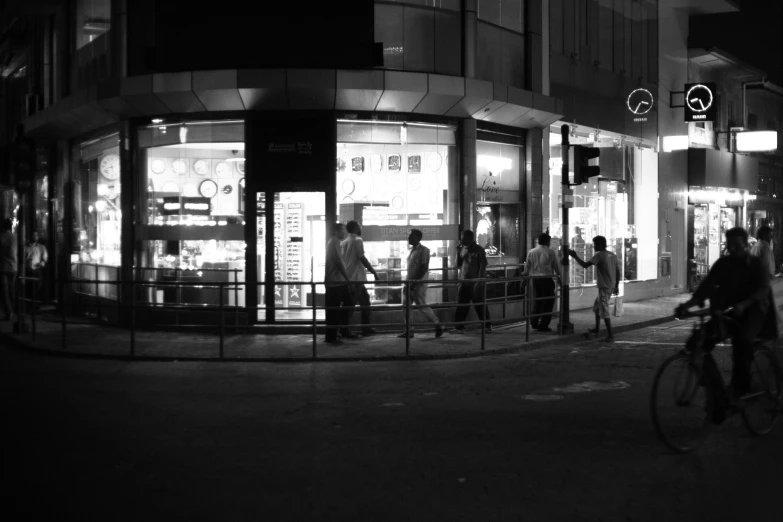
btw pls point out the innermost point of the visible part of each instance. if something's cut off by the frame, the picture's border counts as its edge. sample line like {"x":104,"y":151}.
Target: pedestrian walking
{"x":472,"y":264}
{"x":418,"y":274}
{"x":542,"y":261}
{"x":608,"y":282}
{"x":763,"y":250}
{"x":36,"y":258}
{"x":7,"y":268}
{"x":338,"y":293}
{"x":355,"y":265}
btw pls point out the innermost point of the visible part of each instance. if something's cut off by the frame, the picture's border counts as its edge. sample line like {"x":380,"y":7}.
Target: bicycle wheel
{"x":761,"y":404}
{"x":680,"y":405}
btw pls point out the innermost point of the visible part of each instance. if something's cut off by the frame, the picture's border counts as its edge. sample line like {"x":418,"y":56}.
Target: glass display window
{"x":392,"y":177}
{"x":96,"y":189}
{"x":190,"y":209}
{"x":621,"y":204}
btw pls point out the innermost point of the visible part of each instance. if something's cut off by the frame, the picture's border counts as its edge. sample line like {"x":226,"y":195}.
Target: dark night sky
{"x":754,"y":35}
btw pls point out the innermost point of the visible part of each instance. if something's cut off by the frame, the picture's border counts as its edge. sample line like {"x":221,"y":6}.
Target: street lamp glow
{"x":756,"y":141}
{"x":671,"y":143}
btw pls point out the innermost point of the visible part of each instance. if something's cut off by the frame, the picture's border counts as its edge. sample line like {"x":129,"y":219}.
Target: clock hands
{"x":640,"y":104}
{"x":694,"y":100}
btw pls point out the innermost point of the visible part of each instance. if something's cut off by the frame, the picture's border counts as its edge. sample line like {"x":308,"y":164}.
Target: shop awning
{"x":159,"y":95}
{"x":716,"y":168}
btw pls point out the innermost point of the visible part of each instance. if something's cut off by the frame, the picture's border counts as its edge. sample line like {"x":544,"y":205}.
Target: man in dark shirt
{"x":738,"y":281}
{"x":472,"y":264}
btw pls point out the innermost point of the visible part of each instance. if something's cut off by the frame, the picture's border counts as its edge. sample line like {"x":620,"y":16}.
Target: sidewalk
{"x":111,"y":342}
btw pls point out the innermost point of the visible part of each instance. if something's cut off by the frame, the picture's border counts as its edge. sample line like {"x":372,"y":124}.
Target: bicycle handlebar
{"x":702,"y":312}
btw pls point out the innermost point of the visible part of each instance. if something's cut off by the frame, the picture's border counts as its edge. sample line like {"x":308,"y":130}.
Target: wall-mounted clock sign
{"x":208,"y":188}
{"x":158,"y":166}
{"x":223,"y":169}
{"x":640,"y":102}
{"x":700,"y":102}
{"x":110,"y":167}
{"x":201,"y":167}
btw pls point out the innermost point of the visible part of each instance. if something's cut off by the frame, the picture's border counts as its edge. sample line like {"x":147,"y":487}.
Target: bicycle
{"x":689,"y":394}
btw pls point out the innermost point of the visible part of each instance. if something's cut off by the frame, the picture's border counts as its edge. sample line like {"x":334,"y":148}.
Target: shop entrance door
{"x":298,"y":255}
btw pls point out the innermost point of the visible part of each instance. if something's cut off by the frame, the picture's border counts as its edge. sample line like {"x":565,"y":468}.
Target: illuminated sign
{"x":640,"y":102}
{"x":173,"y":206}
{"x":700,"y":102}
{"x":757,"y":141}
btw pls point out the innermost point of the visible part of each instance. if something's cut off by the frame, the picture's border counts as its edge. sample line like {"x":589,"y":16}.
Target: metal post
{"x":315,"y":327}
{"x":408,"y":318}
{"x":62,"y":311}
{"x":527,"y":307}
{"x":565,"y":325}
{"x":35,"y":283}
{"x":236,"y":301}
{"x":484,"y":315}
{"x":133,"y":319}
{"x":97,"y":296}
{"x":222,"y":319}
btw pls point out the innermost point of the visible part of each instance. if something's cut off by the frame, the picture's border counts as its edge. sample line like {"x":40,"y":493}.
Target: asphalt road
{"x":496,"y":438}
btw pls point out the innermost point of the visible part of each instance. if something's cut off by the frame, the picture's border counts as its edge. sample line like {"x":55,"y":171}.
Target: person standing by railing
{"x":36,"y":258}
{"x":608,"y":274}
{"x":542,"y":261}
{"x":355,"y":265}
{"x":8,"y":261}
{"x":418,"y":271}
{"x":763,"y":250}
{"x":472,"y":264}
{"x":338,"y":293}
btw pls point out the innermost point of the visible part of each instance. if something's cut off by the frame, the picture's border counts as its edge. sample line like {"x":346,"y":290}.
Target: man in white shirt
{"x":542,"y":261}
{"x":418,"y":270}
{"x":763,"y":250}
{"x":355,"y":265}
{"x":337,"y":291}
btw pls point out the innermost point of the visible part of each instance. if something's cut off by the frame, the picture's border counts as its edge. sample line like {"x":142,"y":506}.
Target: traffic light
{"x":582,"y":171}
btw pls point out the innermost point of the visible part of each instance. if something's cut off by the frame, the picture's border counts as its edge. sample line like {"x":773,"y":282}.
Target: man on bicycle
{"x":737,"y":281}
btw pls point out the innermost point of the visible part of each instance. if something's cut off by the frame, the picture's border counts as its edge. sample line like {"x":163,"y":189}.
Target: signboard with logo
{"x":700,"y":102}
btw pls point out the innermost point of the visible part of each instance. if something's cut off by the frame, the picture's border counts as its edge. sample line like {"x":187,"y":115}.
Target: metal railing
{"x":407,"y":308}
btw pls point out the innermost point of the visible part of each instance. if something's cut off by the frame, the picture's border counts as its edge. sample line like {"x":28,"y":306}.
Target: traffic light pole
{"x":565,"y":326}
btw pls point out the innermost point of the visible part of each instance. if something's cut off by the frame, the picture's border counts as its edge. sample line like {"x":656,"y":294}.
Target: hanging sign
{"x":700,"y":102}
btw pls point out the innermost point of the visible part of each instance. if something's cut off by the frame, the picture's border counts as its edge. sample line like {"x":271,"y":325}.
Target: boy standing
{"x":607,"y":270}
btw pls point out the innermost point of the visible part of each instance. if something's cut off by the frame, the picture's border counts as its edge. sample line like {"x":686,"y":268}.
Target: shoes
{"x":349,"y":336}
{"x":592,"y":332}
{"x":333,"y":341}
{"x":438,"y":331}
{"x":457,"y":331}
{"x":488,"y":329}
{"x":533,"y":325}
{"x":368,"y":332}
{"x":607,"y":339}
{"x":543,"y":329}
{"x":404,"y":334}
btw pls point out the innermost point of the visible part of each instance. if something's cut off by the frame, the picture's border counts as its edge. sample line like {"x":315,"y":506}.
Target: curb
{"x":13,"y":342}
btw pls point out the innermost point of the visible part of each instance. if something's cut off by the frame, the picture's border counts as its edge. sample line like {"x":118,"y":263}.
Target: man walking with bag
{"x":338,"y":293}
{"x":542,"y":261}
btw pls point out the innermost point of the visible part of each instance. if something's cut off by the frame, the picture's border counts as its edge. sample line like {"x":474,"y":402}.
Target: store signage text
{"x":400,"y":233}
{"x":497,"y":195}
{"x":189,"y":206}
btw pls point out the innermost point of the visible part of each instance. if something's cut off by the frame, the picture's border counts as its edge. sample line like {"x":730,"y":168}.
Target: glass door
{"x":298,"y":230}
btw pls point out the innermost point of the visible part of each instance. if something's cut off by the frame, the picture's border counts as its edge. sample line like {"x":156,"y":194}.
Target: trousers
{"x":337,"y":295}
{"x":468,"y":292}
{"x":7,"y":292}
{"x":542,"y":288}
{"x":362,"y":298}
{"x":418,"y":296}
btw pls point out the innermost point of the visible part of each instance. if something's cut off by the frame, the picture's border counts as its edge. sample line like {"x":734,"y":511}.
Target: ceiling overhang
{"x":716,"y":59}
{"x":164,"y":94}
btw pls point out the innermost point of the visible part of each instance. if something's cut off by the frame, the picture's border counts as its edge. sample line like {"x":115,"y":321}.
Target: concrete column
{"x":469,"y":38}
{"x":468,"y":174}
{"x":534,"y":175}
{"x":537,"y":46}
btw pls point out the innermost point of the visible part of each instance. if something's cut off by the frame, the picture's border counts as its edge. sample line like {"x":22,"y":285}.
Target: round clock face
{"x":241,"y":166}
{"x":208,"y":188}
{"x":110,"y":167}
{"x":158,"y":166}
{"x":201,"y":167}
{"x":180,"y":167}
{"x":640,"y":101}
{"x":242,"y":182}
{"x":223,"y":169}
{"x":228,"y":189}
{"x":190,"y":190}
{"x":699,"y":98}
{"x":434,"y":162}
{"x":170,"y":186}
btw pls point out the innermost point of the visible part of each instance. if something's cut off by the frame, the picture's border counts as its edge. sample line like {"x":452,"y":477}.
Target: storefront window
{"x":191,"y":211}
{"x":394,"y":176}
{"x":621,"y":204}
{"x":97,"y":218}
